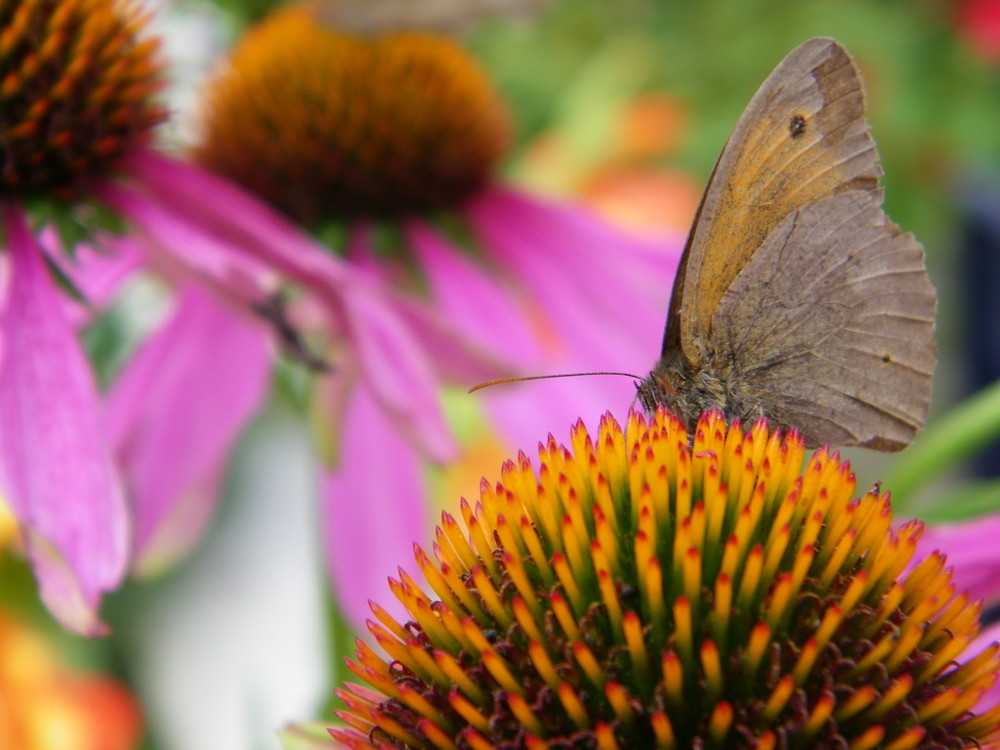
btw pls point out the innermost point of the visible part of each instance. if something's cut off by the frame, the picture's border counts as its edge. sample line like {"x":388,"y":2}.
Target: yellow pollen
{"x":501,"y":672}
{"x":456,"y":675}
{"x":908,"y":739}
{"x":573,"y":705}
{"x":524,"y":714}
{"x":682,"y":629}
{"x":605,"y":737}
{"x":722,"y":607}
{"x":588,"y":663}
{"x":491,"y":597}
{"x":720,"y":721}
{"x":820,"y":715}
{"x":564,"y":617}
{"x":760,"y":636}
{"x":619,"y":699}
{"x":526,"y":618}
{"x":855,"y":703}
{"x":664,"y":731}
{"x":673,"y":678}
{"x":632,"y":627}
{"x":778,"y":698}
{"x":438,"y":737}
{"x":712,"y":666}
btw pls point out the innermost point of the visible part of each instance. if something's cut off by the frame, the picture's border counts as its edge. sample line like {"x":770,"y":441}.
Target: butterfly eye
{"x":666,"y":385}
{"x":797,"y":125}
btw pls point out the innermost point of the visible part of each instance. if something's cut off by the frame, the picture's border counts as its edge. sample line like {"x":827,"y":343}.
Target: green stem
{"x":967,"y":427}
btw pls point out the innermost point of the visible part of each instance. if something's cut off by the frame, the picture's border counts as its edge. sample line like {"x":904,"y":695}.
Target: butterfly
{"x":797,"y":299}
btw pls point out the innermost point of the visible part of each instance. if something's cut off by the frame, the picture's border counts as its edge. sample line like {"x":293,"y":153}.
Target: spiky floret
{"x":641,"y":593}
{"x":324,"y":124}
{"x":76,"y":92}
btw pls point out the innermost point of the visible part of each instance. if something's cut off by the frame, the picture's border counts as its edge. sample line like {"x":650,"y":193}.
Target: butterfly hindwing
{"x":830,"y":324}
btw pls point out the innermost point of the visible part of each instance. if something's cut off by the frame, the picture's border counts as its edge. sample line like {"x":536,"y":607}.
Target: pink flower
{"x":66,"y":466}
{"x":532,"y":286}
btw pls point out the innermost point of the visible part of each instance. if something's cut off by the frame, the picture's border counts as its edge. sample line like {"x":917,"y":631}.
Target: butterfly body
{"x":797,"y":299}
{"x":687,"y":390}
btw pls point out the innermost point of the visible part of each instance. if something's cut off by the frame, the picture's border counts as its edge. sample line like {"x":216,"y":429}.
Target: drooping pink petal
{"x":373,"y":508}
{"x":989,"y":636}
{"x":98,"y":274}
{"x":597,"y":287}
{"x":480,"y":307}
{"x":174,"y":414}
{"x":178,"y":250}
{"x":454,"y":357}
{"x":456,"y":352}
{"x":398,"y":373}
{"x":357,"y":303}
{"x":221,"y":207}
{"x":331,"y":398}
{"x":602,"y":294}
{"x":56,"y":468}
{"x":971,"y":547}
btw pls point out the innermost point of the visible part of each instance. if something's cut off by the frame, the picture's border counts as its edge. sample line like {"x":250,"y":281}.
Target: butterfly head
{"x":688,"y":391}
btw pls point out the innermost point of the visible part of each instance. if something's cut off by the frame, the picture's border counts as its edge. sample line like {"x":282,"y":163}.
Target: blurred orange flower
{"x":44,"y":705}
{"x":621,"y":180}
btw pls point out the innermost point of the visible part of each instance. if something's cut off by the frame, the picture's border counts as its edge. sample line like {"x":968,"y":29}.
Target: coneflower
{"x":78,"y":84}
{"x":638,"y":591}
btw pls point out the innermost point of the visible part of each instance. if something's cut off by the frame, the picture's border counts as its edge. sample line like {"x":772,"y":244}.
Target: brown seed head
{"x":76,"y":88}
{"x":324,"y":124}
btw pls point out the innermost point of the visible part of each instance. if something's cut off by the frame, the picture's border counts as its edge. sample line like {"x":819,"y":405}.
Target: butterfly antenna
{"x":499,"y":381}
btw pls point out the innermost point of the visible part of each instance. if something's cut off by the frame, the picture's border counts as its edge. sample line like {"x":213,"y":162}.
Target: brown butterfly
{"x":797,"y":298}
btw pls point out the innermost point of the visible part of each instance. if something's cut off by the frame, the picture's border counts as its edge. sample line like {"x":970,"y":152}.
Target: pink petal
{"x":179,"y":250}
{"x":331,"y":398}
{"x":97,"y":274}
{"x":599,"y":291}
{"x":972,"y":549}
{"x":56,"y":468}
{"x":596,"y":286}
{"x":481,"y":308}
{"x":453,"y":347}
{"x":454,"y":357}
{"x":224,"y":209}
{"x":645,"y":262}
{"x":357,"y":302}
{"x":175,"y":413}
{"x":398,"y":373}
{"x":989,"y":636}
{"x":373,"y":510}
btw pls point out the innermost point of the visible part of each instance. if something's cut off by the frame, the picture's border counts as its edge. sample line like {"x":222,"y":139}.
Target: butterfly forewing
{"x":802,"y":138}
